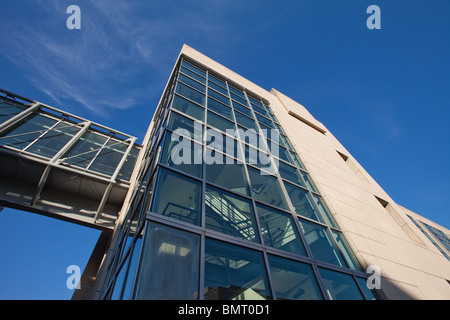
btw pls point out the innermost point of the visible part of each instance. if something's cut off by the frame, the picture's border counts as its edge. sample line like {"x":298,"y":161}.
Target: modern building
{"x":235,"y":193}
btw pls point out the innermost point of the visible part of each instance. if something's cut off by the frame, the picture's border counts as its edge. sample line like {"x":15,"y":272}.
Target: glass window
{"x":85,"y":150}
{"x":293,"y":280}
{"x":326,"y":214}
{"x":370,"y":295}
{"x":245,"y":121}
{"x":236,"y":91}
{"x":189,"y":108}
{"x":26,"y":131}
{"x":230,"y":214}
{"x":219,"y":97}
{"x":128,"y":166}
{"x":264,"y":120}
{"x":278,"y":230}
{"x":218,"y":141}
{"x":182,"y":154}
{"x":185,"y":126}
{"x":218,"y":88}
{"x":239,"y":107}
{"x":280,"y":152}
{"x":321,"y":243}
{"x":258,"y":158}
{"x":266,"y":188}
{"x":255,"y":101}
{"x":54,"y":140}
{"x":169,"y":266}
{"x":297,"y":160}
{"x":7,"y":111}
{"x":346,"y":251}
{"x":340,"y":286}
{"x":309,"y":183}
{"x":109,"y":157}
{"x":302,"y":202}
{"x":238,"y":99}
{"x":217,"y":81}
{"x":190,"y":93}
{"x":191,"y":67}
{"x":234,"y":273}
{"x":220,"y":123}
{"x":177,"y":196}
{"x":193,"y":75}
{"x":192,"y":83}
{"x":290,"y":173}
{"x":228,"y":173}
{"x":220,"y":108}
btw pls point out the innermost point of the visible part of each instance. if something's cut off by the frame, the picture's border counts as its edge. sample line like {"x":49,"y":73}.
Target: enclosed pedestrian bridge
{"x":61,"y":165}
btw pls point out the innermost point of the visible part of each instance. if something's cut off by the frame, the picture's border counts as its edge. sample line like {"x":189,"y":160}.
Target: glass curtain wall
{"x":232,"y":208}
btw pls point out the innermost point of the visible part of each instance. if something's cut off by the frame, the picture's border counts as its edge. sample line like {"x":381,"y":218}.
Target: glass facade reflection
{"x":215,"y":220}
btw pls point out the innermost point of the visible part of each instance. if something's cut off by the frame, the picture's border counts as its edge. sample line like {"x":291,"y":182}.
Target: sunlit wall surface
{"x":223,"y":224}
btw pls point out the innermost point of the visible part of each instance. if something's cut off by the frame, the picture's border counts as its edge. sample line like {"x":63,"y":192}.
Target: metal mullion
{"x":269,"y":276}
{"x":34,"y":107}
{"x":319,"y":280}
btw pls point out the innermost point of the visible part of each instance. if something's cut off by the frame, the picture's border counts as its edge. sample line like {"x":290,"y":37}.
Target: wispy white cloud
{"x":121,"y":50}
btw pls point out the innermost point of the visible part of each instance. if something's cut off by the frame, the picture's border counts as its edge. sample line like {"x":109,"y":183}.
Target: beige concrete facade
{"x":378,"y":229}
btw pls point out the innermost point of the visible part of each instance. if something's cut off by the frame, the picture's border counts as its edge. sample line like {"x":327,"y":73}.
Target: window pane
{"x":53,"y":141}
{"x":266,"y":188}
{"x":192,"y":83}
{"x":239,"y":99}
{"x":245,"y":121}
{"x":128,"y":166}
{"x":219,"y":97}
{"x":234,"y":273}
{"x":223,"y":143}
{"x":170,"y":256}
{"x":193,"y":68}
{"x":346,"y":250}
{"x":182,"y":154}
{"x":326,"y":214}
{"x":302,"y":202}
{"x":293,"y":280}
{"x":26,"y":132}
{"x":218,"y":88}
{"x":236,"y":91}
{"x":185,"y":126}
{"x":255,"y":101}
{"x":192,"y":74}
{"x":220,"y":108}
{"x":228,"y":173}
{"x":340,"y":286}
{"x":230,"y":214}
{"x":189,"y":108}
{"x":264,"y":120}
{"x":321,"y":243}
{"x":190,"y":93}
{"x":367,"y":292}
{"x":109,"y":157}
{"x":278,"y":230}
{"x":309,"y":183}
{"x":219,"y":122}
{"x":7,"y":111}
{"x":217,"y":81}
{"x":258,"y":158}
{"x":290,"y":173}
{"x":85,"y":150}
{"x":177,"y":197}
{"x":241,"y":108}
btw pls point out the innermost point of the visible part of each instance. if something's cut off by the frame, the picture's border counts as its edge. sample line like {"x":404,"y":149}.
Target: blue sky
{"x":383,"y":93}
